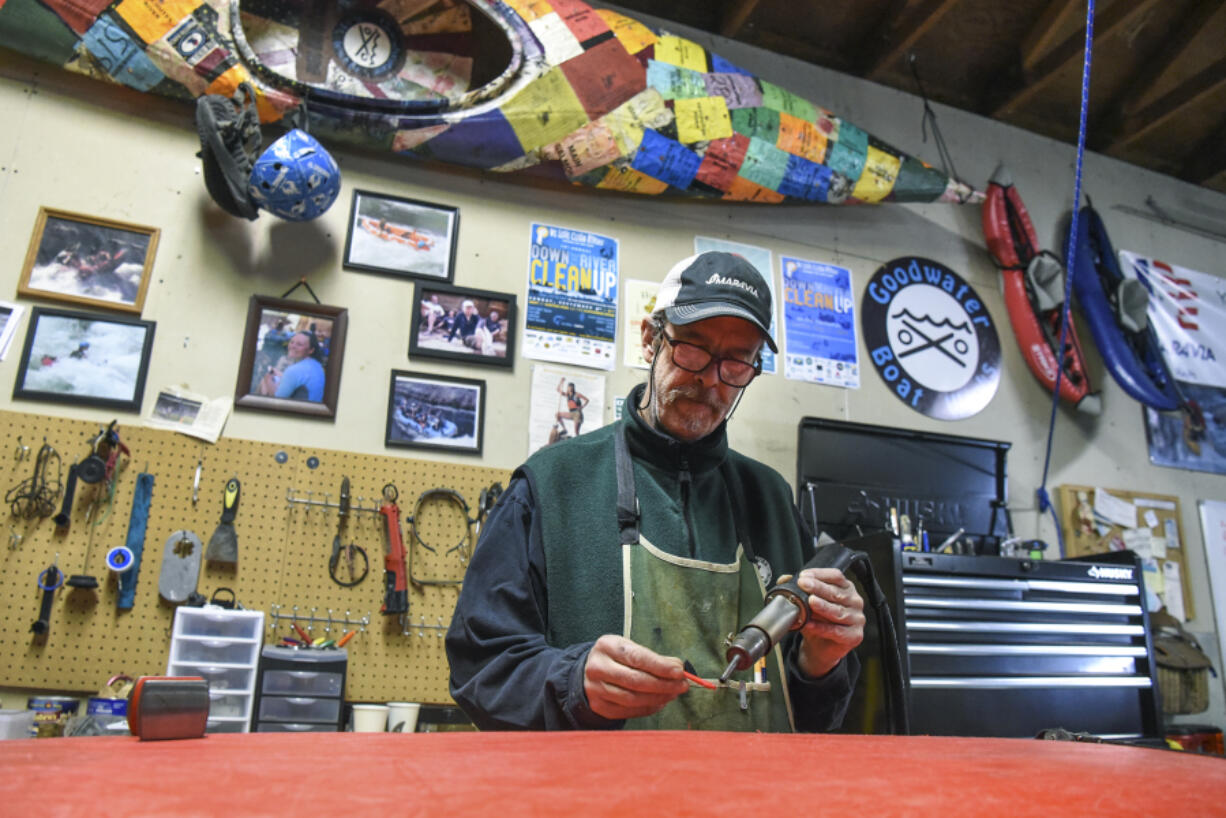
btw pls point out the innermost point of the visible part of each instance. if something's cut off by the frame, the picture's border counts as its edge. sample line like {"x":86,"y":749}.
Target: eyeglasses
{"x":693,"y":358}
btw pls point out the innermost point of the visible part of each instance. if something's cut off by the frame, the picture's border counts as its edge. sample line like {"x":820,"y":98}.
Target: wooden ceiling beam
{"x":1207,"y":163}
{"x":916,"y":20}
{"x":1042,"y":36}
{"x":1192,"y":92}
{"x":1106,"y":23}
{"x":735,"y":15}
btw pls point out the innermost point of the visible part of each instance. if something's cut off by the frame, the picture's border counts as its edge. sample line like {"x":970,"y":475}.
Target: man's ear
{"x":648,"y":339}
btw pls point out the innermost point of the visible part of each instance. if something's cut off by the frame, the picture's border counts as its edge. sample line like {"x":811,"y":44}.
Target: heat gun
{"x":786,"y":609}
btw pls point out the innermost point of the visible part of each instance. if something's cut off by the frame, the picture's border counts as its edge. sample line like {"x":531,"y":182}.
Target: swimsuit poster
{"x":1187,"y":311}
{"x":819,"y":324}
{"x":564,"y":404}
{"x":572,"y":297}
{"x":760,"y":258}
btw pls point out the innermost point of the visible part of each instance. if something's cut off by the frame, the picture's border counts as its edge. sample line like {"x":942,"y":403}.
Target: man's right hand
{"x":624,"y":680}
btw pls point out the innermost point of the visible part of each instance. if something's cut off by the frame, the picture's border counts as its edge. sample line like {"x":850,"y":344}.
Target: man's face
{"x":691,"y":405}
{"x":494,"y":315}
{"x":299,"y":347}
{"x":469,"y":309}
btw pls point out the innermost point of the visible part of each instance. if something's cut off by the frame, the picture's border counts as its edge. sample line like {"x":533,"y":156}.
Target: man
{"x":465,"y":326}
{"x":615,"y":557}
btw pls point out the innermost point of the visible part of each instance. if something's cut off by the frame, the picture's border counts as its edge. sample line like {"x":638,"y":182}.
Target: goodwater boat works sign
{"x":930,"y":338}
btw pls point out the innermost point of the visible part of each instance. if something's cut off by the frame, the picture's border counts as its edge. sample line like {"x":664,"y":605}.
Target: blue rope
{"x":1070,"y":255}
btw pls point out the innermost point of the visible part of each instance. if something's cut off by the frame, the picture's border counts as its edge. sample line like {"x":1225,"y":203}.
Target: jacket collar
{"x":664,"y":450}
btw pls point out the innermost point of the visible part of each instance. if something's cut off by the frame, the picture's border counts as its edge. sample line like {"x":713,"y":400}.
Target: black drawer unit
{"x":997,"y":646}
{"x":299,"y":691}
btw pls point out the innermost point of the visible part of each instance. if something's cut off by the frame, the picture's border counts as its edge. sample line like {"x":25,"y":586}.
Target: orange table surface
{"x":600,"y":774}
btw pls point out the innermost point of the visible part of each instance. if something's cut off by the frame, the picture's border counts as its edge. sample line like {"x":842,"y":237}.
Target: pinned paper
{"x":1153,"y":584}
{"x":1172,"y":533}
{"x":1174,"y":590}
{"x":1151,"y":519}
{"x":1112,"y":508}
{"x":1157,"y":546}
{"x":1138,"y":541}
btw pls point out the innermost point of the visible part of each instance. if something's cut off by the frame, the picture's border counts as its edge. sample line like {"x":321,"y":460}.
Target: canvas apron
{"x":685,"y":607}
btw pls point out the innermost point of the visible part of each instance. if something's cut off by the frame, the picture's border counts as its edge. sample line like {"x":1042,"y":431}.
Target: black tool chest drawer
{"x":997,"y":646}
{"x":300,"y":690}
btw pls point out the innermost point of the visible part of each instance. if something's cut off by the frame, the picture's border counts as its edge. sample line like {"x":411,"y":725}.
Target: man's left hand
{"x":837,"y":623}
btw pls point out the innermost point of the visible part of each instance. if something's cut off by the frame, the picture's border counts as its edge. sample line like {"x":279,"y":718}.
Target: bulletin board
{"x":1086,"y":534}
{"x":285,"y":524}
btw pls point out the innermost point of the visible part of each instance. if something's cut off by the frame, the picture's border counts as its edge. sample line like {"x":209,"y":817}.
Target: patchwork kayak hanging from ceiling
{"x":551,"y":87}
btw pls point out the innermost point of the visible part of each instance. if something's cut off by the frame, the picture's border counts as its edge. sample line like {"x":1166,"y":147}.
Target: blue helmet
{"x":295,"y":178}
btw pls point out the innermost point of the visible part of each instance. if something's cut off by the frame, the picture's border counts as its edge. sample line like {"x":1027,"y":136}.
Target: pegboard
{"x":1081,"y":538}
{"x":285,"y":525}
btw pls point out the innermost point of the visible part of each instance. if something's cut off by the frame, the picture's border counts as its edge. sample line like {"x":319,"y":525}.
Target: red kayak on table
{"x":1033,"y":283}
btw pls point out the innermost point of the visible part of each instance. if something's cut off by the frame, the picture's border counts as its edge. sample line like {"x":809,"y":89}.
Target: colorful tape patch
{"x":702,"y":119}
{"x":150,"y":19}
{"x":629,"y":180}
{"x":530,"y":10}
{"x":644,"y":110}
{"x":78,"y":14}
{"x":880,"y":173}
{"x":592,"y":146}
{"x":633,"y":35}
{"x":847,"y":155}
{"x":765,"y":164}
{"x":120,"y":55}
{"x":757,"y":123}
{"x":785,"y":101}
{"x":675,"y":83}
{"x":488,"y":137}
{"x":738,"y":90}
{"x":603,"y":76}
{"x":681,"y":52}
{"x":545,"y":112}
{"x":801,"y":138}
{"x":722,"y":161}
{"x":743,"y":190}
{"x":581,"y":19}
{"x":666,"y":160}
{"x":560,"y":43}
{"x":805,"y":180}
{"x":721,"y":66}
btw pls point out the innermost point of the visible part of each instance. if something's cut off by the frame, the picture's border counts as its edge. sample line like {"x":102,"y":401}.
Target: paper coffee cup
{"x":402,"y":717}
{"x":369,"y":718}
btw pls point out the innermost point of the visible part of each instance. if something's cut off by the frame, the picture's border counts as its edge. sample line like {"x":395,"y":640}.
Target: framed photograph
{"x":89,"y":261}
{"x":402,"y":237}
{"x":85,"y":358}
{"x":435,"y":412}
{"x":463,"y":324}
{"x":292,"y":354}
{"x":10,"y":317}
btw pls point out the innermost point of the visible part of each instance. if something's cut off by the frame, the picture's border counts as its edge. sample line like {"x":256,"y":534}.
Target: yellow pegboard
{"x":283,"y":543}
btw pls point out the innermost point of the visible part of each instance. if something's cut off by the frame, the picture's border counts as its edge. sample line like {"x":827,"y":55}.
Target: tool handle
{"x":395,"y":589}
{"x":230,"y":500}
{"x":70,"y":489}
{"x":52,"y":581}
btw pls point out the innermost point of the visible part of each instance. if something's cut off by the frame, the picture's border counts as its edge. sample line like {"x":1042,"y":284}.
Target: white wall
{"x":82,"y":146}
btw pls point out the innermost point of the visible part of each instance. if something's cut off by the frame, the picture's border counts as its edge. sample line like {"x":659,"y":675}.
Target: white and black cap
{"x":712,"y":284}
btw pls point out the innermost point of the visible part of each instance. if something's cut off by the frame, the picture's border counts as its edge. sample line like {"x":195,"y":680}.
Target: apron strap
{"x":737,"y":496}
{"x":627,"y":500}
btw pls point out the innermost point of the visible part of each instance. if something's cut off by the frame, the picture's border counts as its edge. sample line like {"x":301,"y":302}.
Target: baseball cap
{"x":712,"y":284}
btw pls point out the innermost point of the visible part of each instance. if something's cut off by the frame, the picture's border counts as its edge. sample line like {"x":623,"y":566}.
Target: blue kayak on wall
{"x":1115,"y":306}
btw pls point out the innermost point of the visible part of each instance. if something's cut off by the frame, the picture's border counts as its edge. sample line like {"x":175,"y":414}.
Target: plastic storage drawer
{"x":299,"y":709}
{"x":302,"y":683}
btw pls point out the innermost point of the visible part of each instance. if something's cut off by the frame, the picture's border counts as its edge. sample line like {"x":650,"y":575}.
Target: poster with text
{"x":640,"y":298}
{"x":572,"y":297}
{"x":1187,"y":311}
{"x":564,"y":403}
{"x":819,"y":324}
{"x":760,"y":258}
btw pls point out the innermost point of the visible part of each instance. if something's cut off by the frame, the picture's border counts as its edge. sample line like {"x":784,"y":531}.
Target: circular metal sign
{"x":931,"y":338}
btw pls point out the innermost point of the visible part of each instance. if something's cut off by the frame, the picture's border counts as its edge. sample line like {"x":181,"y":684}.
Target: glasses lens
{"x":736,"y":373}
{"x":690,"y":357}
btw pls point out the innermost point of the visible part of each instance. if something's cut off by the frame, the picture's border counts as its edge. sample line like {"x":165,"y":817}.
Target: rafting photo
{"x":87,"y":359}
{"x":388,"y":234}
{"x":89,"y":261}
{"x":463,"y":324}
{"x":435,"y":412}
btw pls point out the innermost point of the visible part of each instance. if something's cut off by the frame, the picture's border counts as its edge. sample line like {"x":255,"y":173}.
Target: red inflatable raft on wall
{"x":1033,"y":284}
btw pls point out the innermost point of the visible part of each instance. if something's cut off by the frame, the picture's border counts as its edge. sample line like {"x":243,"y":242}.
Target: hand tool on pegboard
{"x":355,"y":573}
{"x":48,"y":581}
{"x":180,"y":566}
{"x":396,"y":592}
{"x":125,"y":559}
{"x":223,"y":545}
